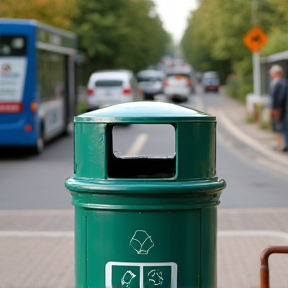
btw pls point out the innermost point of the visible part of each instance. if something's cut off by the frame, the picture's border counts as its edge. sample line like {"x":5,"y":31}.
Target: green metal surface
{"x":144,"y":112}
{"x":208,"y":247}
{"x":80,"y":247}
{"x":171,"y":240}
{"x":144,"y":229}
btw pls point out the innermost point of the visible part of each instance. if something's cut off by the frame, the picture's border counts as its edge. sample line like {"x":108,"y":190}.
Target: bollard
{"x":145,"y":222}
{"x":264,"y":267}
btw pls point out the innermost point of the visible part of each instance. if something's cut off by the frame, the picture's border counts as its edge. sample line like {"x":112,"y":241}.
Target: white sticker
{"x":12,"y":78}
{"x":127,"y":278}
{"x":141,"y":242}
{"x":148,"y":272}
{"x":155,"y":276}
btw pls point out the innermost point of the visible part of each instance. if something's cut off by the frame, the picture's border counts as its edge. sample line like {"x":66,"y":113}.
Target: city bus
{"x":37,"y":82}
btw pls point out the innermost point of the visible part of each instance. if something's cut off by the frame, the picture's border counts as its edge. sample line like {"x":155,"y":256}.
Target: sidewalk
{"x":232,"y":116}
{"x":38,"y":250}
{"x":255,"y":229}
{"x":37,"y":247}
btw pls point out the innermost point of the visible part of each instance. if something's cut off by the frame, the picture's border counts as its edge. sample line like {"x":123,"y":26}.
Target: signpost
{"x":255,"y":39}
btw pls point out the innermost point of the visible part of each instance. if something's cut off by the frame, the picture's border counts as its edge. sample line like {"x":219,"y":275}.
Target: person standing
{"x":278,"y":92}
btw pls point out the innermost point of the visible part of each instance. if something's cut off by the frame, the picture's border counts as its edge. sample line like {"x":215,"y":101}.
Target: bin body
{"x":137,"y":228}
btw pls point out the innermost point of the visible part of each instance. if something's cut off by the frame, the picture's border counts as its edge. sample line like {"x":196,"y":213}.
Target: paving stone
{"x":43,"y":262}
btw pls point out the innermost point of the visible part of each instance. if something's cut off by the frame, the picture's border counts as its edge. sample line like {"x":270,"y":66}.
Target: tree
{"x":214,"y":35}
{"x":57,"y":13}
{"x":120,"y":34}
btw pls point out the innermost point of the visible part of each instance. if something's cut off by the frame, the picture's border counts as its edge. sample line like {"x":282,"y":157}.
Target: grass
{"x":250,"y":119}
{"x":81,"y":107}
{"x":265,"y":125}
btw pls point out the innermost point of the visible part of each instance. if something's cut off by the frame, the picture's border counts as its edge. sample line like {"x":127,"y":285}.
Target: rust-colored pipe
{"x":264,"y":269}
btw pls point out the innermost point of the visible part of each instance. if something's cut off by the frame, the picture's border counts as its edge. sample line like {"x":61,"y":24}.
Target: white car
{"x":111,"y":87}
{"x":150,"y":82}
{"x":177,"y":87}
{"x":210,"y":81}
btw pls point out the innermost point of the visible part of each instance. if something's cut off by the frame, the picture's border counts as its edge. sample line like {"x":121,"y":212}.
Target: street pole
{"x":255,"y":55}
{"x":256,"y":74}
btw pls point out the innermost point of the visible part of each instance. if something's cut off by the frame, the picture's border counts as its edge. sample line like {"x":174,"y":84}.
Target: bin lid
{"x":145,"y":112}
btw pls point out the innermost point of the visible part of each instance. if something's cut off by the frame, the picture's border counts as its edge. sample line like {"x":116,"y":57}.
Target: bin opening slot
{"x":141,"y":151}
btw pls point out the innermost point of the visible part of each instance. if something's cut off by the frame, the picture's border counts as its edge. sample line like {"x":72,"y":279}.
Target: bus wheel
{"x":38,"y":148}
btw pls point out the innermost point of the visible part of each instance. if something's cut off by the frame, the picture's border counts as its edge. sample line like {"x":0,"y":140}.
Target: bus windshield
{"x":12,"y":45}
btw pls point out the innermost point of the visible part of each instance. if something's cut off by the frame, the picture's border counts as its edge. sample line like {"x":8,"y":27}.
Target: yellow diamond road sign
{"x":255,"y":39}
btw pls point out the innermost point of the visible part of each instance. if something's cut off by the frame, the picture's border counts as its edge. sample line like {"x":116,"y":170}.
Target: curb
{"x":279,"y":163}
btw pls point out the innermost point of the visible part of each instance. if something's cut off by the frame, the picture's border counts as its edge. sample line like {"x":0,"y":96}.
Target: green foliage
{"x":81,"y":107}
{"x":278,"y":41}
{"x":213,"y":39}
{"x":112,"y":33}
{"x":265,"y":125}
{"x":120,"y":34}
{"x":232,"y":86}
{"x":57,"y":13}
{"x":242,"y":81}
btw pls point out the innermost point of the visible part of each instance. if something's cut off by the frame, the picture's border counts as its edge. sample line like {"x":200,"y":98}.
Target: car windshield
{"x":210,"y":75}
{"x":108,"y":83}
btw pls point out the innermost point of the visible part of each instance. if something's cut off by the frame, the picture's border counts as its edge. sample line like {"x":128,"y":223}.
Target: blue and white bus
{"x":37,"y":82}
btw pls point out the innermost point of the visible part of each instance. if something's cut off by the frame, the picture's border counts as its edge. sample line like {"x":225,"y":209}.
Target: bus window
{"x":51,"y":75}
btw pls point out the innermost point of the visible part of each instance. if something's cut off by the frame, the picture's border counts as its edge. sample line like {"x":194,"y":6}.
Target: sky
{"x":174,"y":14}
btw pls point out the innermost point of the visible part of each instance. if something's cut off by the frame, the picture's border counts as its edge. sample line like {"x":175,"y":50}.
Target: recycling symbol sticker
{"x":127,"y":278}
{"x":120,"y":274}
{"x":141,"y":242}
{"x":155,"y":277}
{"x":140,"y":275}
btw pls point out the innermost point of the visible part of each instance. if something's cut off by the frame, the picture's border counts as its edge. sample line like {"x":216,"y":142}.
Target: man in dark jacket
{"x":278,"y":91}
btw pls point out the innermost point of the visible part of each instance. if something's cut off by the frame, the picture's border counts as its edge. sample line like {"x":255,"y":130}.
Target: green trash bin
{"x":145,"y":222}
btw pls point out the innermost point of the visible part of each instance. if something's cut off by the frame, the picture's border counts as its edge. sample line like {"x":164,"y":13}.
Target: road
{"x":249,"y":184}
{"x":37,"y":215}
{"x":37,"y":182}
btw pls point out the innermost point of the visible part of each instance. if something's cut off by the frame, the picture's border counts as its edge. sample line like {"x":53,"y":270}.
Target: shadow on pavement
{"x":25,"y":152}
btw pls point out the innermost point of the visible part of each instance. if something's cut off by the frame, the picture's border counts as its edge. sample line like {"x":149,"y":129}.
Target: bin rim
{"x":144,"y":112}
{"x":103,"y":186}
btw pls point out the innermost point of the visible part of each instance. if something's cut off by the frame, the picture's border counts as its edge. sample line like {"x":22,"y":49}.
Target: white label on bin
{"x":141,"y":242}
{"x":140,"y":275}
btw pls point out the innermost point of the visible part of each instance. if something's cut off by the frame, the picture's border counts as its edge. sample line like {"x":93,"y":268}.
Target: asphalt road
{"x":249,"y":184}
{"x":37,"y":182}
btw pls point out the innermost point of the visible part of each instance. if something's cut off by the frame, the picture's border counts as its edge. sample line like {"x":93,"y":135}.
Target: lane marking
{"x":70,"y":234}
{"x":253,"y":233}
{"x":70,"y":212}
{"x":137,"y":144}
{"x":50,"y":212}
{"x":37,"y":234}
{"x":199,"y":103}
{"x":238,"y":211}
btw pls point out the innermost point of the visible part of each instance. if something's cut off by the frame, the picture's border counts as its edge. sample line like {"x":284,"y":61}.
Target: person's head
{"x":276,"y":71}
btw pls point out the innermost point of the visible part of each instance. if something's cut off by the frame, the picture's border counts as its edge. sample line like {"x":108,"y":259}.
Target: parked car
{"x":111,"y":87}
{"x":178,"y":86}
{"x":210,"y":81}
{"x":150,"y":82}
